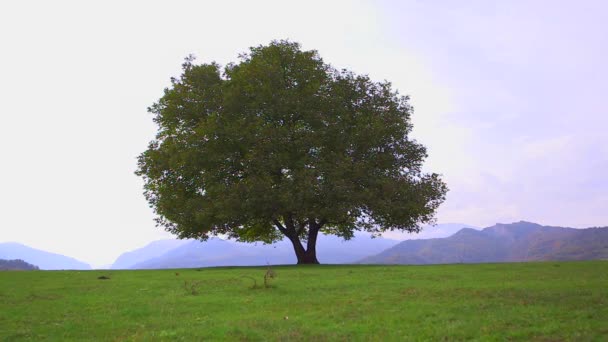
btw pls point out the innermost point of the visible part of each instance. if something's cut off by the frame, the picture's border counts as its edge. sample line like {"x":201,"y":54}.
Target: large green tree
{"x":281,"y":144}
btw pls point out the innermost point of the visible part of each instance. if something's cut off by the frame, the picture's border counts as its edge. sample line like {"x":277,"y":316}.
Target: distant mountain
{"x":44,"y":260}
{"x":334,"y":250}
{"x":218,"y":252}
{"x":521,"y":241}
{"x":441,"y":230}
{"x":16,"y":265}
{"x":151,"y":250}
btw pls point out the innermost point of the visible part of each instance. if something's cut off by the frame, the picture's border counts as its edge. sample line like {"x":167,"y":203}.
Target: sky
{"x":510,"y":99}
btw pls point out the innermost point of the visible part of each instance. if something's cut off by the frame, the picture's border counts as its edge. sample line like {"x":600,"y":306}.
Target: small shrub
{"x":192,"y":287}
{"x":270,"y":274}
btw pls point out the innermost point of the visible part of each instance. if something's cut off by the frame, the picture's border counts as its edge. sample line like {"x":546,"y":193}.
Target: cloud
{"x":527,"y":87}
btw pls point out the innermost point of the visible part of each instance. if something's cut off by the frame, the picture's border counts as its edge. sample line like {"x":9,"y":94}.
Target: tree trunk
{"x":308,"y":255}
{"x":305,"y":256}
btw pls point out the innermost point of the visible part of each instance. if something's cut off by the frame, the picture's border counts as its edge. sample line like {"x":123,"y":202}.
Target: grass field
{"x":527,"y":301}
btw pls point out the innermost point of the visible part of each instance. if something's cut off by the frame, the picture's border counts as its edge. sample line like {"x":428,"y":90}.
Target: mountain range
{"x":520,"y":241}
{"x":150,"y":251}
{"x":441,"y":230}
{"x":444,"y":243}
{"x":219,"y":252}
{"x":44,"y":260}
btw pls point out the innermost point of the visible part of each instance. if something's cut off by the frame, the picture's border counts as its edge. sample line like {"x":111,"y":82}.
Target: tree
{"x":283,"y":145}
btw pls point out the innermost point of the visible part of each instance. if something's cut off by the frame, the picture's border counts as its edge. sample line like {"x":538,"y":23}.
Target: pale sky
{"x":510,"y":98}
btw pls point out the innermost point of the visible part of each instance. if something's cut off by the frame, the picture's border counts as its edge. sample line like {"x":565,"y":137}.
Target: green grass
{"x":526,"y":301}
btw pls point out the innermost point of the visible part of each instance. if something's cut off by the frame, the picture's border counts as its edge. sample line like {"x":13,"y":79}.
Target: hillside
{"x":44,"y":260}
{"x":16,"y":265}
{"x":521,"y":241}
{"x":150,"y":251}
{"x":441,"y":230}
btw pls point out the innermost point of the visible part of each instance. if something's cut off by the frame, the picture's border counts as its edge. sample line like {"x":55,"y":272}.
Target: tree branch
{"x":280,"y":226}
{"x":301,"y":227}
{"x":290,"y":227}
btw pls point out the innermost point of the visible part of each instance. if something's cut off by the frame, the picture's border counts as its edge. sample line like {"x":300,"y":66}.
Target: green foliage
{"x":280,"y":144}
{"x":486,"y":302}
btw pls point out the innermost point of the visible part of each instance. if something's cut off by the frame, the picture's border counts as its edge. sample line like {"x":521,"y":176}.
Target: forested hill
{"x":520,"y":241}
{"x":16,"y":265}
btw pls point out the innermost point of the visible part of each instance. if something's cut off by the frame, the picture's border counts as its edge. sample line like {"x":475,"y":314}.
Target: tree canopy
{"x":282,"y":144}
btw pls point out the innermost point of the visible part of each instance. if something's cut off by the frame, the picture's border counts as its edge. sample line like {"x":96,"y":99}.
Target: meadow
{"x":549,"y":301}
